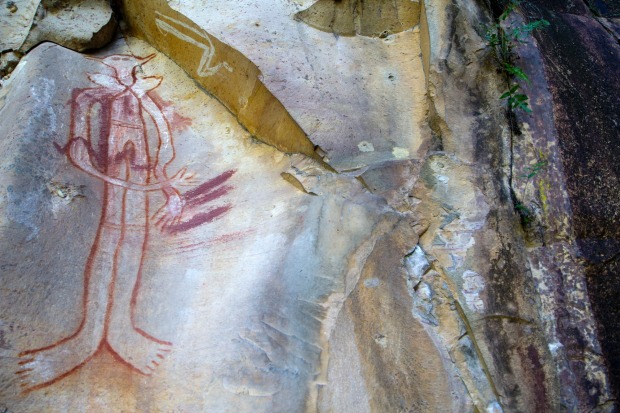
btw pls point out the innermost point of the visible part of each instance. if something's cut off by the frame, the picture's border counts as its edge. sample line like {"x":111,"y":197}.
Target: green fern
{"x":516,"y":100}
{"x":516,"y":72}
{"x":502,"y":38}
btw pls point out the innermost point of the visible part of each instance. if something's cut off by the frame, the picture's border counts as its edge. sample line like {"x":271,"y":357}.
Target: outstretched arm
{"x":171,"y":212}
{"x":78,"y":153}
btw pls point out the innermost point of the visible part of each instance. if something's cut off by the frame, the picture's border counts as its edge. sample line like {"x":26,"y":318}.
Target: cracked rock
{"x":77,"y":25}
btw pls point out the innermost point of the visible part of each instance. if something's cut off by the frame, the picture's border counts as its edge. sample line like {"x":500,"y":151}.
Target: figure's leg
{"x":43,"y":366}
{"x":136,"y":347}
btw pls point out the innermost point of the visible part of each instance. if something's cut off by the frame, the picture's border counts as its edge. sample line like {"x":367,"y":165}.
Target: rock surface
{"x":325,"y":83}
{"x":76,"y":24}
{"x":375,"y":19}
{"x":16,"y":18}
{"x":234,"y":208}
{"x":588,"y":148}
{"x":264,"y":253}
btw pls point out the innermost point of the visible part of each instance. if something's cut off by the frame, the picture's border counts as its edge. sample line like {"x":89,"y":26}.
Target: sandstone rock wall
{"x":306,"y":206}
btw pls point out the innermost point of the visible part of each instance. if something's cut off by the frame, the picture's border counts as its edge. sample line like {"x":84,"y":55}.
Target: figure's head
{"x":125,"y":65}
{"x":125,"y":61}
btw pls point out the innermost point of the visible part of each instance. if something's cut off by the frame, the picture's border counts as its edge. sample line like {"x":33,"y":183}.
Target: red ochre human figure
{"x":130,"y":169}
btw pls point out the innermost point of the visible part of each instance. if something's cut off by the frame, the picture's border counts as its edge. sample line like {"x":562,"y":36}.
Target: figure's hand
{"x":170,"y":213}
{"x":184,"y":178}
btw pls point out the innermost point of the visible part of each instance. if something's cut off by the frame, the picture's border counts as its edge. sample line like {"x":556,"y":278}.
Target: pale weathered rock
{"x":16,"y":17}
{"x":342,"y":91}
{"x":78,"y":25}
{"x":376,"y":18}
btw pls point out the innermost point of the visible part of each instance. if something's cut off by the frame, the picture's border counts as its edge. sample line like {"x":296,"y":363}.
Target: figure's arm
{"x":78,"y":153}
{"x":165,"y":148}
{"x":81,"y":105}
{"x":165,"y":151}
{"x":83,"y":100}
{"x":171,"y":212}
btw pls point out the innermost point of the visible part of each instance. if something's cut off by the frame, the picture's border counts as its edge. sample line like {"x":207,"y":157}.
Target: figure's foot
{"x":42,"y":367}
{"x":141,"y":351}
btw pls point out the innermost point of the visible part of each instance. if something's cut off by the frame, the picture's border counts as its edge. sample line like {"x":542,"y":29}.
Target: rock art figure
{"x":109,"y":139}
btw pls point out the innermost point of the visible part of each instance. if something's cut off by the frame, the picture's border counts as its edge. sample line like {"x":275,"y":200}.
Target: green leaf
{"x":510,"y":92}
{"x":503,"y":37}
{"x":516,"y":71}
{"x":524,"y":106}
{"x":535,"y":25}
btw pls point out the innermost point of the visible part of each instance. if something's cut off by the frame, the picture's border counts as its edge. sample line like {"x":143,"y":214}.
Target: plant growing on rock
{"x":503,"y":37}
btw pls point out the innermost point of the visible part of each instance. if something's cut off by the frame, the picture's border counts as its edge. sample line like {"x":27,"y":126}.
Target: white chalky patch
{"x":417,"y":264}
{"x":371,"y":282}
{"x":473,"y":285}
{"x":365,"y":146}
{"x":494,"y":407}
{"x":554,"y":347}
{"x":400,"y":153}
